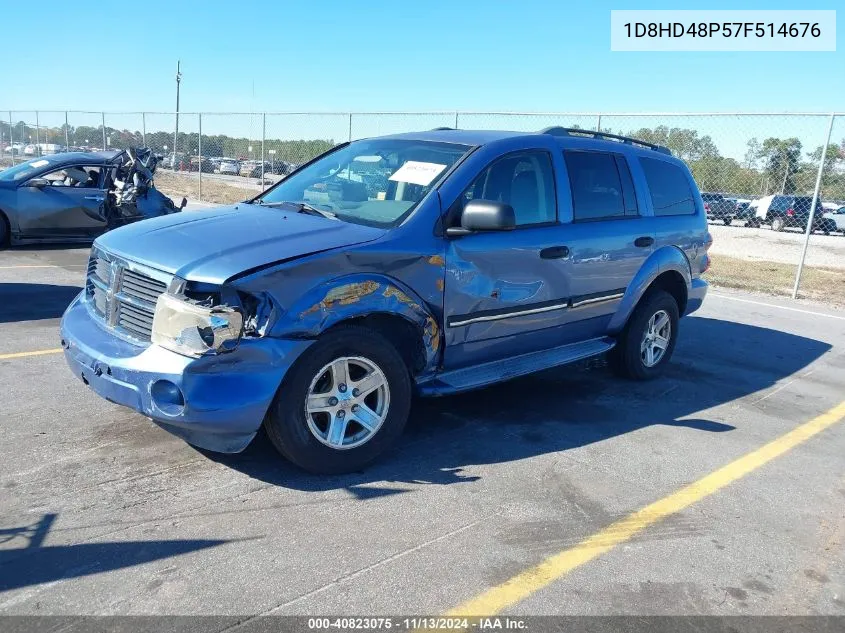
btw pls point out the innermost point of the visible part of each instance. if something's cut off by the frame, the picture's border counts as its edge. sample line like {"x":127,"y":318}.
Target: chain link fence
{"x":757,"y":172}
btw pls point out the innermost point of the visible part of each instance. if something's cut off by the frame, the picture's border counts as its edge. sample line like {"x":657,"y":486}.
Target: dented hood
{"x":215,"y":244}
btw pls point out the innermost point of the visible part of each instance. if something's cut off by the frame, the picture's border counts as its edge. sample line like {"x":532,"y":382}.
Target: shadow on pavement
{"x":36,"y":563}
{"x":556,"y":410}
{"x":34,"y":302}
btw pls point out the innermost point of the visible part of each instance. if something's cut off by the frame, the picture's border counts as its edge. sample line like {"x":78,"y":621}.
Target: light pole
{"x":176,"y":131}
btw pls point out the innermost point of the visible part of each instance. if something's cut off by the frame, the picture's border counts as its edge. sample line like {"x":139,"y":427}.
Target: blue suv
{"x":427,"y":263}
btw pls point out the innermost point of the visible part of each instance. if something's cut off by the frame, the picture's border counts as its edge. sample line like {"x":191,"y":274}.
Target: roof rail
{"x":569,"y":131}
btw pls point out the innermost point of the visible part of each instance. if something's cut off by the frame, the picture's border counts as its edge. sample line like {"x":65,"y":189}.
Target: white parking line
{"x":772,"y":305}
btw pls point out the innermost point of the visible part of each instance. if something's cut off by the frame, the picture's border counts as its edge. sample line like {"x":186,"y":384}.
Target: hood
{"x":213,"y":245}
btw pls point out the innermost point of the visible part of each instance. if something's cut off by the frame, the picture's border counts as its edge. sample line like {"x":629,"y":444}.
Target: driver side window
{"x":82,"y":176}
{"x":524,"y":180}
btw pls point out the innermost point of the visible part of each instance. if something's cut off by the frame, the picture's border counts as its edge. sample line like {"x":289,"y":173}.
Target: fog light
{"x":167,"y":397}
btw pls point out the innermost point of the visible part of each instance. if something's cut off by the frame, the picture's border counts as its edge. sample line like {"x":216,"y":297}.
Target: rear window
{"x":669,"y":187}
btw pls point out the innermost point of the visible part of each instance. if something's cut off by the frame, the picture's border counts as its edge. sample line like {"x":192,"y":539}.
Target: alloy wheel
{"x":656,"y":338}
{"x":347,"y":402}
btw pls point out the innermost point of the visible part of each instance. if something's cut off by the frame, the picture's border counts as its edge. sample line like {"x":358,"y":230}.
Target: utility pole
{"x":176,"y":131}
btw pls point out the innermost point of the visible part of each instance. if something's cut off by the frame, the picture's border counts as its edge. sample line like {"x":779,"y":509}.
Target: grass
{"x":825,"y":285}
{"x":187,"y":185}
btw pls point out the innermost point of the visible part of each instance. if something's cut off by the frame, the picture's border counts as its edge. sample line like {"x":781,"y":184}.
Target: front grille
{"x":123,"y":295}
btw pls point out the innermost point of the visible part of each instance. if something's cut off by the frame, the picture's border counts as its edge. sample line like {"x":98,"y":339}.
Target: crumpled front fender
{"x":359,"y":295}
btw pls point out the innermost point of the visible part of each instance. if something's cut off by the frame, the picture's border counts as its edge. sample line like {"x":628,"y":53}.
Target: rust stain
{"x":434,"y":334}
{"x":344,"y":296}
{"x":437,"y":260}
{"x":440,"y":284}
{"x":392,"y":291}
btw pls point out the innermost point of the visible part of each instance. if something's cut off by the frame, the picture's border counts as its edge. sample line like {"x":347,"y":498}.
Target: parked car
{"x":317,"y":310}
{"x":718,"y":207}
{"x":783,"y":211}
{"x":743,"y":209}
{"x":229,"y":167}
{"x":838,"y":217}
{"x":252,"y":169}
{"x":76,"y":196}
{"x":207,"y":165}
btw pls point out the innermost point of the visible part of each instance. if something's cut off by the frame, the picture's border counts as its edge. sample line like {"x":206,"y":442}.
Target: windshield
{"x":24,"y":170}
{"x":374,"y":182}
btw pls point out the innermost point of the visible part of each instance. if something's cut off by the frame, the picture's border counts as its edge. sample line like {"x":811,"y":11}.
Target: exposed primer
{"x":343,"y":296}
{"x":437,"y":260}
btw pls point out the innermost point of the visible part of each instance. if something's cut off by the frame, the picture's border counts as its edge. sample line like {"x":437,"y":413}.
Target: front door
{"x":71,"y":206}
{"x":506,"y":292}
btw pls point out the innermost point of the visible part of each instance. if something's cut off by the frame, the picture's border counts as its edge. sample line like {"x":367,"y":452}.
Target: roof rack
{"x":569,"y":131}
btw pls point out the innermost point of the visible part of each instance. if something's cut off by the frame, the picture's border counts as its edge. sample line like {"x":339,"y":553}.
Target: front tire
{"x":342,"y":404}
{"x":644,"y":347}
{"x":727,"y":221}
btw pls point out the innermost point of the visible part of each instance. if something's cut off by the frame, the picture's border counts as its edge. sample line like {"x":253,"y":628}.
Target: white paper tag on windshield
{"x":417,"y":173}
{"x":39,"y":163}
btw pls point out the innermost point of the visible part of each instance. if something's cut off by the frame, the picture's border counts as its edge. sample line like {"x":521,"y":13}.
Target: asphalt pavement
{"x":102,"y":512}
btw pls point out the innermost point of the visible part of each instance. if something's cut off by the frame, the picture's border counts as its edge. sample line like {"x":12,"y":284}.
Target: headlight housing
{"x":195,"y":330}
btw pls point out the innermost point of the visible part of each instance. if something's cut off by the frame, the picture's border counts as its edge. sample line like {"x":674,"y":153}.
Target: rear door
{"x":608,"y":237}
{"x":72,"y":206}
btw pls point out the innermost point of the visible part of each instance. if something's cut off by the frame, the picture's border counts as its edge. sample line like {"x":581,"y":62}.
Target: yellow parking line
{"x":40,"y":352}
{"x":500,"y":597}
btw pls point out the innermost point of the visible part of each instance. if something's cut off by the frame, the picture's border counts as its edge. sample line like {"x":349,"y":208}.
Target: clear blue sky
{"x":389,"y":55}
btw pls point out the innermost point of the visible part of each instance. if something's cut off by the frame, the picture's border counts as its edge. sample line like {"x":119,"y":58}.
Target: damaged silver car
{"x":75,"y":197}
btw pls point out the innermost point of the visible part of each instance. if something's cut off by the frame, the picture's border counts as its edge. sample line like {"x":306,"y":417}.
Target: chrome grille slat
{"x":122,"y":295}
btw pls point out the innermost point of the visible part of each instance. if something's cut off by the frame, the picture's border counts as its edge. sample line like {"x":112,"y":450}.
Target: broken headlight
{"x":194,"y":330}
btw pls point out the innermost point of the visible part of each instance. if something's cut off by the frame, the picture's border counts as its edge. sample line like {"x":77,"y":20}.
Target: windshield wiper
{"x":301,"y":207}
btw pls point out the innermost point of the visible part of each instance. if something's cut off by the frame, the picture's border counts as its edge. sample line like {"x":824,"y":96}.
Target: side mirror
{"x":38,"y":183}
{"x":484,"y":215}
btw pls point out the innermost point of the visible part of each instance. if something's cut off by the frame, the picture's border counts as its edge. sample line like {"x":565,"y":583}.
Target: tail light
{"x":706,"y":207}
{"x":790,"y":212}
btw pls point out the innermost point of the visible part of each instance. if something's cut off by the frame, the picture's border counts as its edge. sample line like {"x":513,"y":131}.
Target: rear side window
{"x":595,"y":184}
{"x":669,"y":187}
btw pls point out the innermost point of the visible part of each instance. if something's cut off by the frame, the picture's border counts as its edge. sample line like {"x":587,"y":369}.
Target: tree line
{"x":771,"y":165}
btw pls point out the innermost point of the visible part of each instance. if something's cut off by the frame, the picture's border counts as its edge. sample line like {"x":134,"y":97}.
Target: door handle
{"x":95,"y":198}
{"x":642,"y":242}
{"x":555,"y":252}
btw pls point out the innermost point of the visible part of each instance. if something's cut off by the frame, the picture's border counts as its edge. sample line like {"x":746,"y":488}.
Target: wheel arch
{"x":374,"y":301}
{"x":667,"y":269}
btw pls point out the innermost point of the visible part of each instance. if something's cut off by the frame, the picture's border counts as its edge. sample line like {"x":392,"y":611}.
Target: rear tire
{"x":653,"y":323}
{"x":321,"y":439}
{"x":778,"y":224}
{"x":727,"y":221}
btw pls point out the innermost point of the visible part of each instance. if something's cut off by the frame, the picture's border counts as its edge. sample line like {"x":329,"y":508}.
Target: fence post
{"x":144,"y":129}
{"x":816,"y":193}
{"x":456,"y":119}
{"x":350,"y":127}
{"x":199,"y":151}
{"x":104,"y":131}
{"x":263,"y":137}
{"x":11,"y":138}
{"x":37,"y":136}
{"x":598,"y":124}
{"x":67,"y":134}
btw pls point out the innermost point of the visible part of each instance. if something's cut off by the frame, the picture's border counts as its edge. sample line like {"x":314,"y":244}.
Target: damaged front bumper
{"x":214,"y":402}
